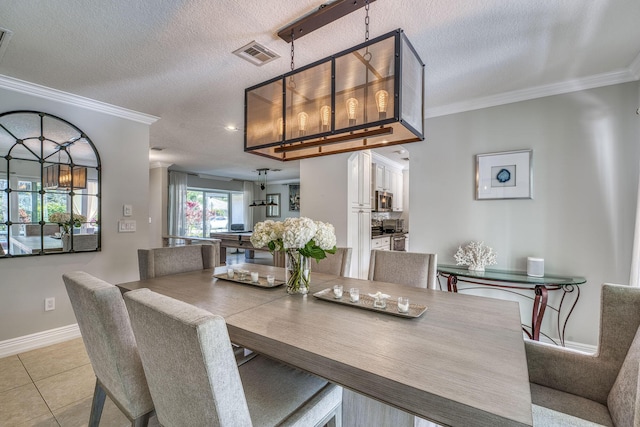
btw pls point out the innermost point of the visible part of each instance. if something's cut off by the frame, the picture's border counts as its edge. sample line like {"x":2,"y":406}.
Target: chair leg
{"x":97,"y":404}
{"x":142,"y":420}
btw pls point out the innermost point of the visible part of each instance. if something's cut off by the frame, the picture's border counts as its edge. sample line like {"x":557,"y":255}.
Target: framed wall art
{"x":506,"y":175}
{"x":294,"y":197}
{"x":273,"y":211}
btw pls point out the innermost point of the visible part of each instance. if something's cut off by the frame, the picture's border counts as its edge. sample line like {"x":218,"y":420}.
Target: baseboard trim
{"x":38,"y":340}
{"x":585,"y":348}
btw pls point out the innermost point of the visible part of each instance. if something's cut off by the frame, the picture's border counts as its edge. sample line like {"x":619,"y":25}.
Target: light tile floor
{"x":52,"y":387}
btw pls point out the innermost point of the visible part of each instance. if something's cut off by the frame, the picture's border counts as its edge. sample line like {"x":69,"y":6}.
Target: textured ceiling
{"x":172,"y":58}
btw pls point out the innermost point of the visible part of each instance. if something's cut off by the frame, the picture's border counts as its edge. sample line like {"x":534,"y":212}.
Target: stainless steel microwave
{"x":383,"y":201}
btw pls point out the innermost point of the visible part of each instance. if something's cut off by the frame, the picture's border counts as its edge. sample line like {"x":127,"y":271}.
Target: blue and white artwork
{"x":503,"y":176}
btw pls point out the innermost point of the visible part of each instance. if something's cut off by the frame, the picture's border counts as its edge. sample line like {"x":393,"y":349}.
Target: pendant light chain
{"x":366,"y":21}
{"x":292,"y":50}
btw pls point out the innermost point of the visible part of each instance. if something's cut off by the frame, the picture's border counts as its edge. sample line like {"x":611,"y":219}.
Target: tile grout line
{"x":38,"y":390}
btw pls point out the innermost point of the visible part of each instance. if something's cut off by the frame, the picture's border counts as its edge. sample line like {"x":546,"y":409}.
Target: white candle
{"x":403,"y":304}
{"x":255,"y":276}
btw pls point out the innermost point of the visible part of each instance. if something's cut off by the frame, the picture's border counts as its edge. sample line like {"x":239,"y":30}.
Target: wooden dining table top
{"x":460,"y":363}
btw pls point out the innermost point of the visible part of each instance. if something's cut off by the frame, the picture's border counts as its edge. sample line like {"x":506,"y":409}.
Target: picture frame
{"x":504,"y":175}
{"x":294,"y":197}
{"x":273,"y":211}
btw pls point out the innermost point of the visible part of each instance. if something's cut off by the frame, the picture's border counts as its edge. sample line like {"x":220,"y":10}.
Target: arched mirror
{"x":49,"y":186}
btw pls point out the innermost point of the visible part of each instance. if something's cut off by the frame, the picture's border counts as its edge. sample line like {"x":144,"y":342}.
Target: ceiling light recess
{"x":366,"y":97}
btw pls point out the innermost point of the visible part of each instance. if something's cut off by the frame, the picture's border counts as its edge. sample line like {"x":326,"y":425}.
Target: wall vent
{"x":5,"y":36}
{"x":256,"y":53}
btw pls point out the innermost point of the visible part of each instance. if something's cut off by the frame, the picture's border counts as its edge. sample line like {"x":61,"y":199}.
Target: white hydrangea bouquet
{"x":476,"y":255}
{"x":300,"y":239}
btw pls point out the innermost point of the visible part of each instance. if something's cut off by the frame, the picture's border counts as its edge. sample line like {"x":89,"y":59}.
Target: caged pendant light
{"x":366,"y":97}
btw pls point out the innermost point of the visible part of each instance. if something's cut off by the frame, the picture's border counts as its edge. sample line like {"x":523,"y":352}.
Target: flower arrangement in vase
{"x":63,"y":219}
{"x":476,"y":255}
{"x":300,"y":239}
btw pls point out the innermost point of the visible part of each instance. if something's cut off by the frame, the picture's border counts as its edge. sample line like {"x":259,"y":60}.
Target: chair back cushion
{"x":406,"y":268}
{"x":81,"y":242}
{"x":106,"y":331}
{"x":176,"y":259}
{"x":623,"y":399}
{"x":188,"y":361}
{"x":338,"y":264}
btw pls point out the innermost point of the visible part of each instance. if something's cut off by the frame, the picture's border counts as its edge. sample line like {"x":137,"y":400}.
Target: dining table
{"x":34,"y":244}
{"x":460,"y":362}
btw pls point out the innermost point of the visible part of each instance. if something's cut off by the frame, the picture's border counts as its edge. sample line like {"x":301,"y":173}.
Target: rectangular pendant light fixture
{"x":366,"y":97}
{"x":58,"y":176}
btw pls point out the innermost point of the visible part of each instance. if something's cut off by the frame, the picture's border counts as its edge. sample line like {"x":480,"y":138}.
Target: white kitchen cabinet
{"x":382,"y":177}
{"x":360,"y":180}
{"x":360,"y":242}
{"x":398,"y":191}
{"x":381,"y":243}
{"x":359,"y":219}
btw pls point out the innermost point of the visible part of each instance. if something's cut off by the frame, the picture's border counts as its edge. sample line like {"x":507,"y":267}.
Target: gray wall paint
{"x":259,"y":213}
{"x":25,"y":282}
{"x":581,"y":219}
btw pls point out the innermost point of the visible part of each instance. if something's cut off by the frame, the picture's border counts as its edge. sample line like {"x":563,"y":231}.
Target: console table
{"x":513,"y":280}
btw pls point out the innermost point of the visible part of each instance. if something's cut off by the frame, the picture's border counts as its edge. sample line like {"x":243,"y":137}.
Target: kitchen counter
{"x":402,"y":233}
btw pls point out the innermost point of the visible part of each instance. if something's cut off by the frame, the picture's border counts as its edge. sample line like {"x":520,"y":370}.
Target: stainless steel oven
{"x":383,"y":201}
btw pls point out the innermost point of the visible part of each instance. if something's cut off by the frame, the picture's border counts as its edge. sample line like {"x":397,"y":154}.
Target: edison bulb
{"x":325,"y":117}
{"x":352,"y":108}
{"x":303,"y":119}
{"x":279,"y":128}
{"x":382,"y":100}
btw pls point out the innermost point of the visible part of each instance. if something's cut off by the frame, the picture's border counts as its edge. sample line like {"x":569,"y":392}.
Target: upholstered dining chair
{"x":177,"y":259}
{"x":337,"y":264}
{"x":81,"y":242}
{"x":194,"y":381}
{"x":34,"y":230}
{"x":106,"y":331}
{"x":406,"y":268}
{"x":573,"y":388}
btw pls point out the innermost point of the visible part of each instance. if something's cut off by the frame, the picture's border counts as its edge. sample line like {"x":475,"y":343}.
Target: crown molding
{"x":599,"y":80}
{"x":40,"y":91}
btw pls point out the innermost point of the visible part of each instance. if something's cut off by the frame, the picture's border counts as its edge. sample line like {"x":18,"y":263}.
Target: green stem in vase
{"x":298,"y":272}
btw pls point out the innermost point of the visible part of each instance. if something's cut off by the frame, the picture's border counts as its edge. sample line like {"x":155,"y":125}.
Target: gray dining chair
{"x":405,"y":268}
{"x":106,"y":332}
{"x":574,"y":388}
{"x":177,"y":259}
{"x":338,"y":264}
{"x":34,"y":229}
{"x":81,"y":242}
{"x":194,"y":381}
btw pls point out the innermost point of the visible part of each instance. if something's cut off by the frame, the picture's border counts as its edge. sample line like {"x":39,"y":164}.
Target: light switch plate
{"x":127,"y":210}
{"x":127,"y":226}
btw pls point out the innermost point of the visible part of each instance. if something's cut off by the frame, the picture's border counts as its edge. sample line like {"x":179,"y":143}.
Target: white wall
{"x":123,"y":146}
{"x":158,"y":200}
{"x":323,"y":191}
{"x":259,"y":213}
{"x":586,"y":155}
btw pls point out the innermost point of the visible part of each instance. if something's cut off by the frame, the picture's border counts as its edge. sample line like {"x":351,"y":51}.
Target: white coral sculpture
{"x":476,"y":255}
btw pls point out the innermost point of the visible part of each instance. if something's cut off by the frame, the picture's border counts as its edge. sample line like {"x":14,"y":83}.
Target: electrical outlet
{"x":49,"y":304}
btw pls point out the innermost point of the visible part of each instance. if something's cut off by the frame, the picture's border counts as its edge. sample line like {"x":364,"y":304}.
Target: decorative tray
{"x":366,"y":302}
{"x":261,"y":283}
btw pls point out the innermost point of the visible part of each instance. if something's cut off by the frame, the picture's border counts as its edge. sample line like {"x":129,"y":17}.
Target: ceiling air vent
{"x":5,"y":35}
{"x":256,"y":53}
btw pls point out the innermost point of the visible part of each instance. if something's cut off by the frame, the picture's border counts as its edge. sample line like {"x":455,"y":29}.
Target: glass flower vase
{"x":297,"y":272}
